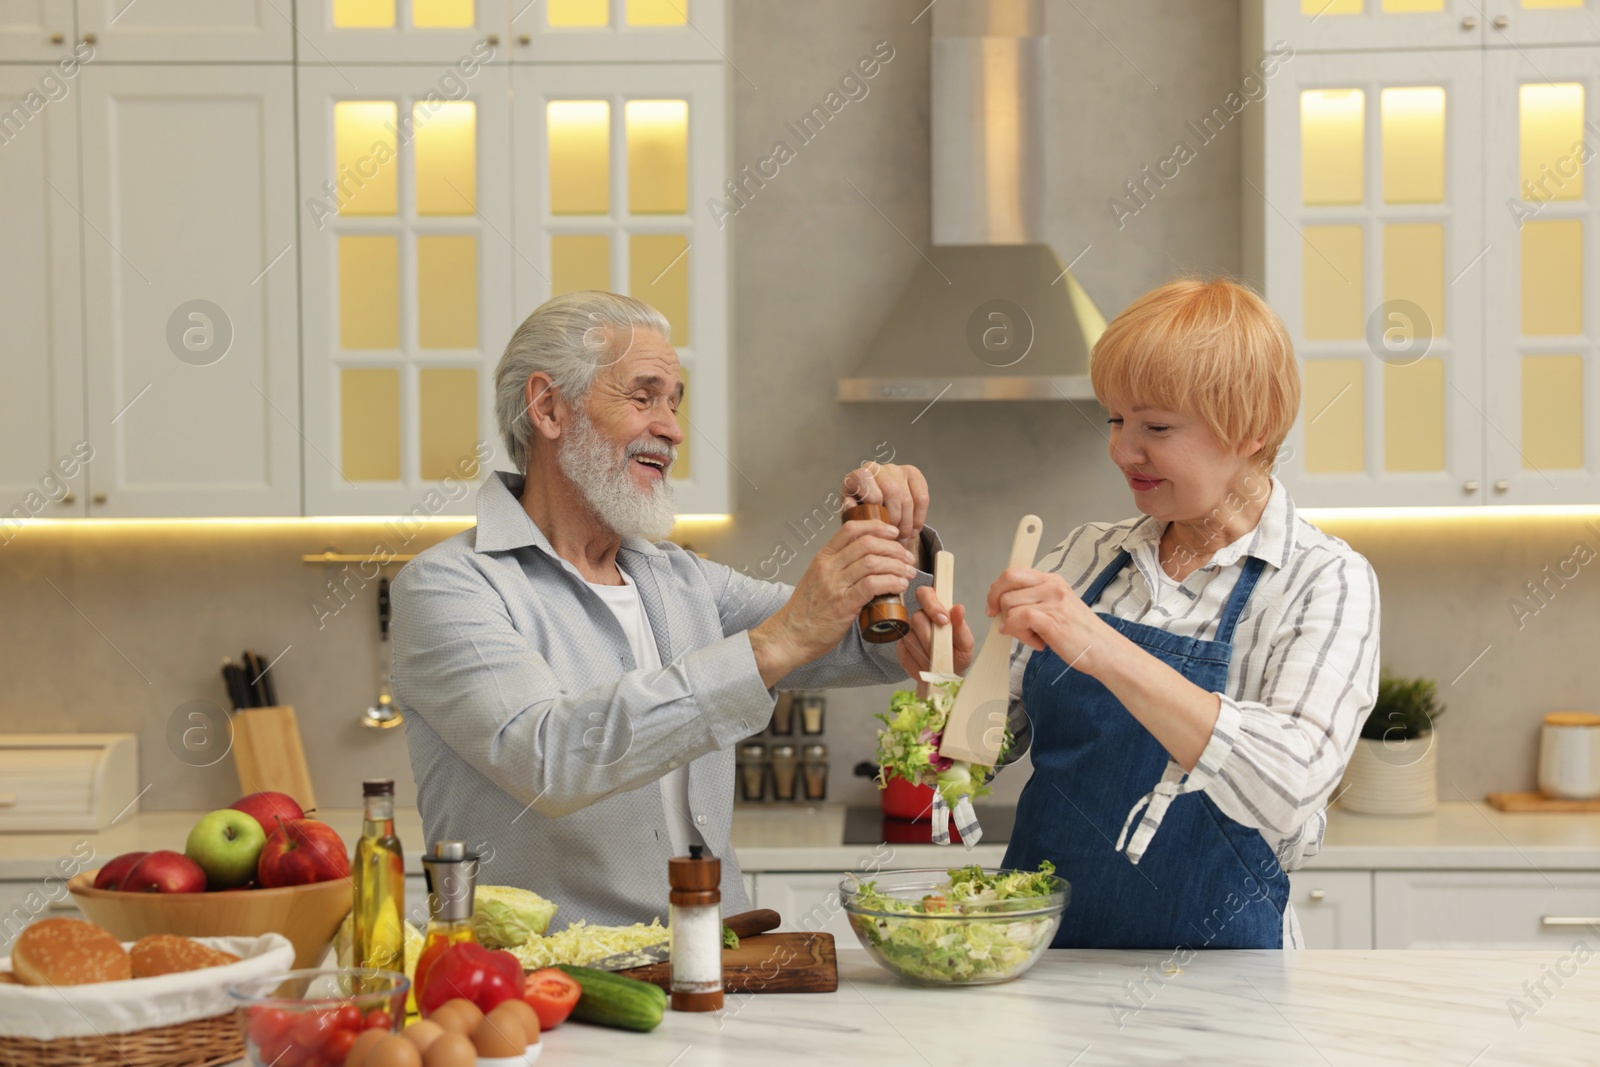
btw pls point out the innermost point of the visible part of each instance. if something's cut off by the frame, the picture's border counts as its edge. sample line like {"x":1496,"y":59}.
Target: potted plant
{"x":1394,"y":769}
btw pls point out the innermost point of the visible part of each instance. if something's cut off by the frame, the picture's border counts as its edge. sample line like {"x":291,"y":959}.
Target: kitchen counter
{"x":1460,"y":835}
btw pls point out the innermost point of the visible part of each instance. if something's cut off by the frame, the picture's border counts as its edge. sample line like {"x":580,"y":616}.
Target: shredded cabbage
{"x":908,"y":745}
{"x":581,"y":944}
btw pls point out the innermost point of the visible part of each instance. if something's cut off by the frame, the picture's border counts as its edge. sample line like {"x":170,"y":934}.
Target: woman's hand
{"x":902,"y":490}
{"x":915,"y":648}
{"x":1042,"y":611}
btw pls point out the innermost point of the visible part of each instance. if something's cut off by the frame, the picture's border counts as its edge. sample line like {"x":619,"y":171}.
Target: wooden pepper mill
{"x":884,"y":619}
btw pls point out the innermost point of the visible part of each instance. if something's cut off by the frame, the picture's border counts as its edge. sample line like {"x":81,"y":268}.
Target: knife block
{"x":268,"y":755}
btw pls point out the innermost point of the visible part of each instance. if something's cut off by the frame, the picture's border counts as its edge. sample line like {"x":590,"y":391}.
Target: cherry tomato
{"x":337,"y":1046}
{"x":551,"y":993}
{"x":347,"y":1017}
{"x":378,"y":1019}
{"x":268,"y":1024}
{"x":311,"y":1030}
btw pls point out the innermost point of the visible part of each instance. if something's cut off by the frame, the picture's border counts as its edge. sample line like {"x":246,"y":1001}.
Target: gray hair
{"x":566,"y":338}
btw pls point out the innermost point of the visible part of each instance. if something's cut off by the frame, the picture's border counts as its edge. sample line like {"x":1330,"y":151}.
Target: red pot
{"x":902,"y":800}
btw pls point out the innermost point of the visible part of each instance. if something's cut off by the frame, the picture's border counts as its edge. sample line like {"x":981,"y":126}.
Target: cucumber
{"x":615,"y":1000}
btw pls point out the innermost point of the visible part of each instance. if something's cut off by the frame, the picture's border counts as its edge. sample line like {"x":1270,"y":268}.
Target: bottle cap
{"x":452,"y":874}
{"x":378,"y":787}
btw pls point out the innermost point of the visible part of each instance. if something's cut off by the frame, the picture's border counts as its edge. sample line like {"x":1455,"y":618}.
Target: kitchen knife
{"x":269,"y":690}
{"x":233,"y":678}
{"x":744,"y":924}
{"x":255,"y":677}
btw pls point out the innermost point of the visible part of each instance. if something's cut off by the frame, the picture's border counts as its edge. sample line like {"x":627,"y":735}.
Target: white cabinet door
{"x":188,"y":207}
{"x":1355,"y":25}
{"x":1543,"y":313}
{"x":406,"y":269}
{"x":1334,"y":907}
{"x":1484,"y":909}
{"x":618,"y":172}
{"x":1373,"y":223}
{"x":442,"y":32}
{"x":1517,"y":23}
{"x":42,"y":446}
{"x":578,"y":31}
{"x":36,"y":31}
{"x":807,"y":901}
{"x":192,"y":31}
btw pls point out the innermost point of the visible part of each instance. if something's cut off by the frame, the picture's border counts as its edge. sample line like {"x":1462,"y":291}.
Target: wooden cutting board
{"x":767,"y":963}
{"x":1539,"y":802}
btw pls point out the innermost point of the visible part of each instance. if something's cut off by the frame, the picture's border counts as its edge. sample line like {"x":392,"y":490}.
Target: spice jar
{"x":814,"y":772}
{"x":752,"y":763}
{"x":784,"y":772}
{"x":811,"y":707}
{"x":694,"y":930}
{"x":783,"y":715}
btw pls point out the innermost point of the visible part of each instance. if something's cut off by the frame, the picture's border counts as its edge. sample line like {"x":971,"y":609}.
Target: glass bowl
{"x":920,"y":936}
{"x":314,"y":1016}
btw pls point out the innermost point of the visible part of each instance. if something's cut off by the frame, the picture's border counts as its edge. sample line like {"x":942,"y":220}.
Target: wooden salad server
{"x":941,"y":657}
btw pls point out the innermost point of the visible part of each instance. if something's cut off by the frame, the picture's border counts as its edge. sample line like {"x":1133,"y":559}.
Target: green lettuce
{"x":504,"y":915}
{"x":908,"y":745}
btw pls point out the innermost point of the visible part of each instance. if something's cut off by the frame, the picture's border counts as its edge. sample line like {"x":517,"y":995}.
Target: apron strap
{"x":1103,"y":579}
{"x":1242,"y":588}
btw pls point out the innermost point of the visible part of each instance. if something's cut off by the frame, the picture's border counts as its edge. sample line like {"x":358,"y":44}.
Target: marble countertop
{"x":1460,"y":835}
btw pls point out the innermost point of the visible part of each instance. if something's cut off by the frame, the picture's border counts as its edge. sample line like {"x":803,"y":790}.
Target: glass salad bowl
{"x":967,"y":926}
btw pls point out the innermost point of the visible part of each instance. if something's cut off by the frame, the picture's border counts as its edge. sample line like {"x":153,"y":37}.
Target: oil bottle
{"x":452,"y":874}
{"x":380,"y":883}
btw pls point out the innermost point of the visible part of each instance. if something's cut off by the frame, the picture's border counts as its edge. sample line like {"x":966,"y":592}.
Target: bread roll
{"x":169,"y":954}
{"x":68,"y":952}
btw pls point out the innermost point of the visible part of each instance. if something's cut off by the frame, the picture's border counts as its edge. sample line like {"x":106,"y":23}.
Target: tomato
{"x":337,"y":1046}
{"x":347,"y":1017}
{"x":269,"y":1024}
{"x":551,"y":993}
{"x":470,"y":971}
{"x":311,"y":1029}
{"x":378,"y":1019}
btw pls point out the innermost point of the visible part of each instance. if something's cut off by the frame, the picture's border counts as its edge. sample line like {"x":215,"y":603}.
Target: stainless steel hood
{"x":991,"y":313}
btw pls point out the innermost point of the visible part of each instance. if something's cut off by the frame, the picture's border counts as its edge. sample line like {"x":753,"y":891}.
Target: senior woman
{"x":1191,"y":681}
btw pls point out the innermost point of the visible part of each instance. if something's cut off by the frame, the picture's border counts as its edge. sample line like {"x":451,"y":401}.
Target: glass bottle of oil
{"x":380,"y":883}
{"x":452,"y":874}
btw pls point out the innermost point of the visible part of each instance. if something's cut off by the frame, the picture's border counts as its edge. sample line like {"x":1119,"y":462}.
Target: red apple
{"x":268,"y":808}
{"x":301,"y":851}
{"x":112,"y":874}
{"x":165,"y":872}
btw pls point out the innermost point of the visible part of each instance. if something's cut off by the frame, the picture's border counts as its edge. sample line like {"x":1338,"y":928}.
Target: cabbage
{"x":581,"y":944}
{"x":504,"y":915}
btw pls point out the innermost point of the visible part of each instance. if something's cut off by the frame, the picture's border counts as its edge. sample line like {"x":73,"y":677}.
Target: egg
{"x":459,"y":1016}
{"x":393,"y":1051}
{"x":357,"y":1056}
{"x":422,"y":1033}
{"x":450,"y":1050}
{"x":528,"y":1017}
{"x":499,"y":1035}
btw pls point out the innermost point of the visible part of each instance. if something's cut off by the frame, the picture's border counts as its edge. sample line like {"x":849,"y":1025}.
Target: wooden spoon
{"x":941,"y":657}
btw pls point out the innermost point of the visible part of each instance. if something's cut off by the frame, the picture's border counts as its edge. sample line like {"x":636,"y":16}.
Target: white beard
{"x":592,"y":463}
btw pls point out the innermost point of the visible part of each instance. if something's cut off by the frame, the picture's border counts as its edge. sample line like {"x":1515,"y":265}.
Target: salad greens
{"x":908,"y":745}
{"x":977,"y":942}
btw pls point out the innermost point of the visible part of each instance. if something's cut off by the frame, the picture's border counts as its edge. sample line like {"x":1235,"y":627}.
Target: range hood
{"x":991,"y":313}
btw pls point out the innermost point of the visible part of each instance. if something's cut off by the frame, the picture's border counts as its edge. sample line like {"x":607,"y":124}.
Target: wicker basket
{"x":201,"y":1043}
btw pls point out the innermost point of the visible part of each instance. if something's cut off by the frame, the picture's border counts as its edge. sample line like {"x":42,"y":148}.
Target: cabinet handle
{"x":493,"y":38}
{"x":1500,"y":22}
{"x":58,"y":38}
{"x":1570,"y":920}
{"x":69,"y":498}
{"x":99,"y":498}
{"x":1501,"y":485}
{"x":1318,"y":895}
{"x":1470,"y":22}
{"x":524,"y":38}
{"x":89,"y":38}
{"x":1470,"y":486}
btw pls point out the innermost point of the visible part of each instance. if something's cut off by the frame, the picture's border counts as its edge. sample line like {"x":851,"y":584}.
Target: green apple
{"x":227,"y":846}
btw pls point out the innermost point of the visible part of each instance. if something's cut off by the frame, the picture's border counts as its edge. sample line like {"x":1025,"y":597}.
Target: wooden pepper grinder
{"x":884,"y":619}
{"x":694,"y":930}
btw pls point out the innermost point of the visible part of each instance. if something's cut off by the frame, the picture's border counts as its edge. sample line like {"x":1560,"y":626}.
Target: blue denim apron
{"x":1205,"y":881}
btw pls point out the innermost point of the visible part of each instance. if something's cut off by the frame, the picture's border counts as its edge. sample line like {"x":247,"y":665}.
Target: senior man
{"x":574,"y":686}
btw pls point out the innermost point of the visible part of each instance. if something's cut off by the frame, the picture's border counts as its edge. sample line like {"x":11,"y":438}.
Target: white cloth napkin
{"x":966,"y":821}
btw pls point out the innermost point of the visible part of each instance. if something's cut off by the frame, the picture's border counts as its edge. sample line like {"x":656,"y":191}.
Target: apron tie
{"x":1154,"y":805}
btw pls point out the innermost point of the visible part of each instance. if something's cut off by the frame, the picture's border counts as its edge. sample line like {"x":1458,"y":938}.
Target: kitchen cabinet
{"x":189,"y":289}
{"x":575,"y":31}
{"x":1484,"y":909}
{"x":406,"y":264}
{"x":1334,"y":907}
{"x":616,"y":171}
{"x":42,"y":443}
{"x":1354,"y":25}
{"x":190,"y":31}
{"x":36,"y":31}
{"x":807,"y":901}
{"x":439,"y":32}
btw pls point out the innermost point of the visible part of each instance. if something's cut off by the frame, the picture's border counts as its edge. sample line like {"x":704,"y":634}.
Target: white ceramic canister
{"x":1569,"y":755}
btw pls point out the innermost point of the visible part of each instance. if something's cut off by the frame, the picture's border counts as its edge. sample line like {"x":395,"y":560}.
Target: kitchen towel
{"x":966,"y":821}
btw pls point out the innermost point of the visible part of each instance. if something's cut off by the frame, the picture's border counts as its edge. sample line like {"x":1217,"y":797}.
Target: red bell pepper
{"x":472,"y":972}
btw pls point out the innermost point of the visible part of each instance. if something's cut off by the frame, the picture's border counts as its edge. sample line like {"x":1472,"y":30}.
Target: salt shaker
{"x":695,"y":930}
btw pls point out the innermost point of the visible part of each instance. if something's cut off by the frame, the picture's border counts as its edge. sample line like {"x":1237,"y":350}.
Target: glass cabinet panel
{"x":369,"y":421}
{"x":1334,"y":407}
{"x":1330,"y":7}
{"x":579,"y":261}
{"x":443,"y":14}
{"x":658,"y":274}
{"x":1411,"y":7}
{"x":1550,"y":129}
{"x":1413,"y":416}
{"x":580,"y":157}
{"x":1413,"y":145}
{"x":369,"y":291}
{"x":1332,"y":272}
{"x":1413,"y":270}
{"x":658,"y":12}
{"x":364,"y":157}
{"x":447,"y":421}
{"x":445,"y":148}
{"x":1552,"y":412}
{"x":1332,"y":145}
{"x":658,"y":156}
{"x":579,"y":13}
{"x":363,"y":14}
{"x":1552,"y":277}
{"x":447,"y":291}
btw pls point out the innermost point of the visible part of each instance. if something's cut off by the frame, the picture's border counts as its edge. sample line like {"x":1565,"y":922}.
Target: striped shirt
{"x":1303,"y":678}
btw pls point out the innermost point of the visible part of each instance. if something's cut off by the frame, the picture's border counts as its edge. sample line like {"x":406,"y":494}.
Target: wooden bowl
{"x":308,"y":915}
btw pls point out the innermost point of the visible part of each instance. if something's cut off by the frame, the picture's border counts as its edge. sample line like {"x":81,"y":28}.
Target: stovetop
{"x":868,"y":825}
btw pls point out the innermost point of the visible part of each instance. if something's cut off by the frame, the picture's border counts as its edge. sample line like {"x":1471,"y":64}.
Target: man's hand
{"x":862,"y":561}
{"x":901,"y":489}
{"x":1041,"y":611}
{"x":915,"y":648}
